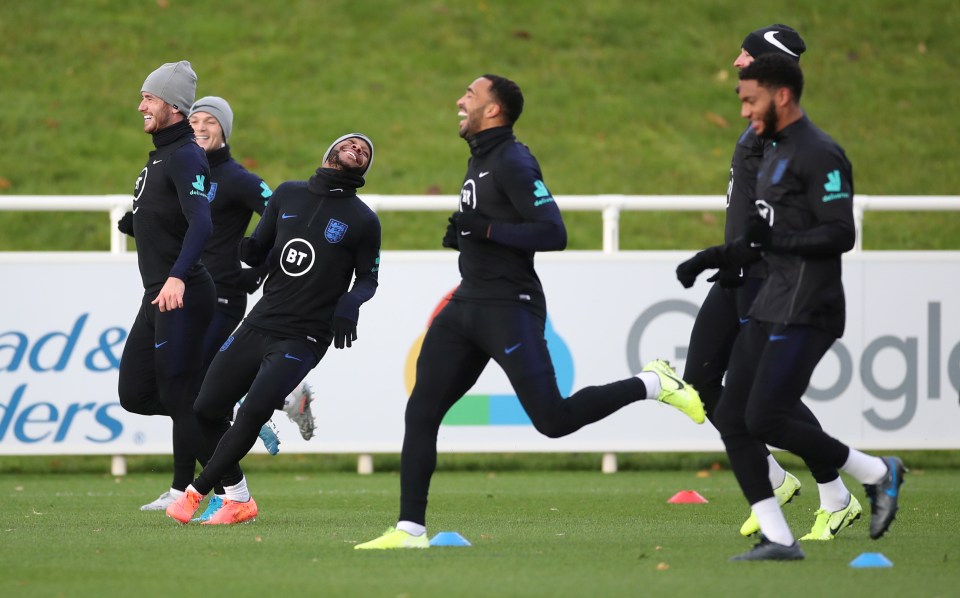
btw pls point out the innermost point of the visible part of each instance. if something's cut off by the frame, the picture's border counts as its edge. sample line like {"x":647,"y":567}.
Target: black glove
{"x":688,"y":271}
{"x":344,"y":332}
{"x":758,"y":231}
{"x":472,"y":224}
{"x":250,"y":252}
{"x":345,"y":317}
{"x":729,"y":279}
{"x":450,"y":237}
{"x":125,"y":224}
{"x":251,"y":279}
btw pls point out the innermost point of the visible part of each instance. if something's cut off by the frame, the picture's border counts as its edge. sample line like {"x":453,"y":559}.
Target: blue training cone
{"x":871,"y":559}
{"x":449,"y":539}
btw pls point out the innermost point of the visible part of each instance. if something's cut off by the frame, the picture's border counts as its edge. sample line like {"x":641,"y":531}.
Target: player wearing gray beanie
{"x":775,"y":38}
{"x":175,"y":83}
{"x":219,"y":109}
{"x":366,"y":139}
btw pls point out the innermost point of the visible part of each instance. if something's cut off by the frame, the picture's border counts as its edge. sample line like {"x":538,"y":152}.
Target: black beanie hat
{"x":775,"y":38}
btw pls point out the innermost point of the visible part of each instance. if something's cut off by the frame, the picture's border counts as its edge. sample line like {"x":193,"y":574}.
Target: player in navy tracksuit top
{"x":235,"y":195}
{"x":317,"y":235}
{"x":162,"y":363}
{"x":498,"y":312}
{"x":803,"y":225}
{"x":728,"y":302}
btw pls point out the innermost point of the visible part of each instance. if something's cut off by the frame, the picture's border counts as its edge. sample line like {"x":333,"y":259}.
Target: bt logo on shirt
{"x":297,"y":257}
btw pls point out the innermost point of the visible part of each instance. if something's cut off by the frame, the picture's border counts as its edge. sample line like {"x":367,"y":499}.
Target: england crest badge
{"x":335,"y":231}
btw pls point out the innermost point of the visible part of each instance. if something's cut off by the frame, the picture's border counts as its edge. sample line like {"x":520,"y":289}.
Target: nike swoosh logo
{"x":337,"y":189}
{"x":157,"y":161}
{"x":158,"y":345}
{"x":464,"y":233}
{"x":288,"y":356}
{"x":510,"y":350}
{"x":744,"y":320}
{"x":771,"y":37}
{"x":284,"y":216}
{"x":894,"y":486}
{"x":679,"y":382}
{"x":483,"y":174}
{"x":135,"y":209}
{"x":778,"y":337}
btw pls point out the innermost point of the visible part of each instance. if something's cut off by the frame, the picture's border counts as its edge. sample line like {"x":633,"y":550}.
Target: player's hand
{"x":758,"y":231}
{"x":728,"y":279}
{"x":125,"y":224}
{"x":688,"y":271}
{"x":251,"y":279}
{"x":251,"y":253}
{"x":344,"y":332}
{"x":450,"y":237}
{"x":471,"y":224}
{"x":171,"y":295}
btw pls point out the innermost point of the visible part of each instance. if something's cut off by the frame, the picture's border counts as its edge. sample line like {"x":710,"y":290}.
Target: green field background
{"x":623,"y":96}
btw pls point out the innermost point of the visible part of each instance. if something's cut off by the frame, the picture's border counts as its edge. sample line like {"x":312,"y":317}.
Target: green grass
{"x":533,"y":533}
{"x":622,"y":97}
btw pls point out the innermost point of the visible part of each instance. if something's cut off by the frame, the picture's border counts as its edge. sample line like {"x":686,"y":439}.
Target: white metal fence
{"x":610,"y":207}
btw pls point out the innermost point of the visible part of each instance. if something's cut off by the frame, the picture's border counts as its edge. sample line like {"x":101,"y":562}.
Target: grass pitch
{"x":567,"y":533}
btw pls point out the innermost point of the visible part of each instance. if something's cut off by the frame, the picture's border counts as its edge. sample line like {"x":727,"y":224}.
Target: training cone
{"x":449,"y":539}
{"x":685,"y":497}
{"x":871,"y":559}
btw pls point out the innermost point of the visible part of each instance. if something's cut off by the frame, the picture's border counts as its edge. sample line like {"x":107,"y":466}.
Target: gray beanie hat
{"x":348,"y":136}
{"x":219,"y":109}
{"x":175,"y":83}
{"x":775,"y":38}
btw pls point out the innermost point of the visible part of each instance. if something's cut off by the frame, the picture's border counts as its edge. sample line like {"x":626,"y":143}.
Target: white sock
{"x":867,"y":469}
{"x":414,"y":529}
{"x":652,"y":382}
{"x":176,"y":493}
{"x":238,"y":492}
{"x":190,"y":488}
{"x":772,"y":522}
{"x":833,"y":495}
{"x":776,"y":473}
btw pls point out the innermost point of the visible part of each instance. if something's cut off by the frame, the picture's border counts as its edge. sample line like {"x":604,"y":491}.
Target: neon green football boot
{"x":784,"y":493}
{"x":395,"y":538}
{"x":675,"y":392}
{"x":827,"y":525}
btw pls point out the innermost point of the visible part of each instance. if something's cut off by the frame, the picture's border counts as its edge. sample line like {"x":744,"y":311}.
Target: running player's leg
{"x":179,"y":358}
{"x":278,"y":366}
{"x":448,"y":366}
{"x":747,"y":454}
{"x":514,"y":337}
{"x":711,"y":339}
{"x":137,"y":385}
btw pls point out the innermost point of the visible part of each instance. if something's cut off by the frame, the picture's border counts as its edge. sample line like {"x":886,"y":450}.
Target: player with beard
{"x":802,"y":226}
{"x":727,"y":305}
{"x":162,"y":363}
{"x":498,"y":312}
{"x":316,"y":235}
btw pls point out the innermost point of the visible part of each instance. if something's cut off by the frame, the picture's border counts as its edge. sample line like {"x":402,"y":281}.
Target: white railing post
{"x":859,"y":206}
{"x":611,"y":228}
{"x":118,"y":240}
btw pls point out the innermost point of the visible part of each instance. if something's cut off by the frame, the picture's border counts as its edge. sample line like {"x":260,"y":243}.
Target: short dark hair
{"x":775,"y":70}
{"x":508,"y":95}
